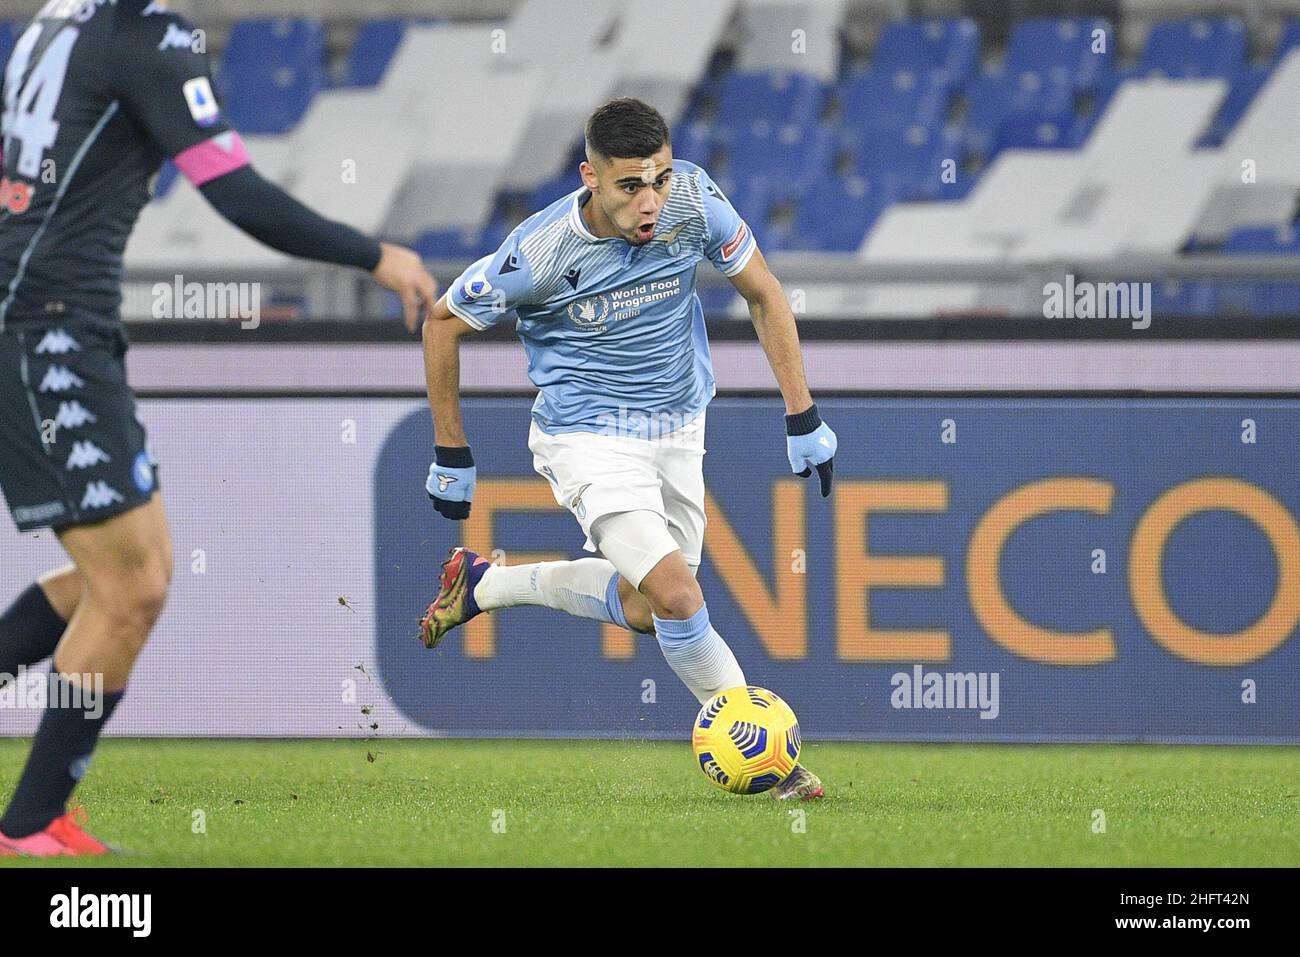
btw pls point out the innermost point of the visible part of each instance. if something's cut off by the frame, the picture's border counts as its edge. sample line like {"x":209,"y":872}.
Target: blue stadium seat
{"x":270,"y":71}
{"x":1195,"y":47}
{"x":1175,"y":297}
{"x":376,"y":42}
{"x":693,"y":142}
{"x":749,"y":100}
{"x":1244,"y":85}
{"x":951,"y":46}
{"x":1263,"y":241}
{"x":791,"y":153}
{"x":837,"y":214}
{"x":1090,"y":111}
{"x":752,"y":198}
{"x":1276,"y":298}
{"x":1061,"y":49}
{"x":908,"y":164}
{"x":166,"y":179}
{"x":1028,"y":109}
{"x":8,"y":35}
{"x":1289,"y":40}
{"x":893,"y":99}
{"x":548,"y":191}
{"x":462,"y":244}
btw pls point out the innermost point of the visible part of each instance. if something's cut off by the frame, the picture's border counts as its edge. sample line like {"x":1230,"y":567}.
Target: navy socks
{"x":60,"y":756}
{"x":30,"y":630}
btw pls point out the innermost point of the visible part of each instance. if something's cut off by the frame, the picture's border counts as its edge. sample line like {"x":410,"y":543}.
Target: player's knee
{"x":133,"y":594}
{"x":677,"y":599}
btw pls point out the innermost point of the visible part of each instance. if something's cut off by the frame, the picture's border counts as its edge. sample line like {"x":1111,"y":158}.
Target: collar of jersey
{"x":579,"y":226}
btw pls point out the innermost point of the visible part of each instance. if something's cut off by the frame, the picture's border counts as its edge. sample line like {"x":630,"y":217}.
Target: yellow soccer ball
{"x":746,"y":740}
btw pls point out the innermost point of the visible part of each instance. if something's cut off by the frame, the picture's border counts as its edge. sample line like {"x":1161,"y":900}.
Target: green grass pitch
{"x":453,"y":802}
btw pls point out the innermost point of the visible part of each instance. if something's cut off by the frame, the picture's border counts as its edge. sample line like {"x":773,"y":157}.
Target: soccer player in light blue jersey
{"x":603,"y":285}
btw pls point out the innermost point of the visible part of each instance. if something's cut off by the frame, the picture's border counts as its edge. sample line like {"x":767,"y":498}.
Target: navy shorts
{"x":72,"y":448}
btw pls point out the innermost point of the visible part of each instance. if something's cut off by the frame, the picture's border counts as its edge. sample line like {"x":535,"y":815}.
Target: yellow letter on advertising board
{"x":1145,"y":569}
{"x":503,"y":495}
{"x":983,"y":572}
{"x":780,"y":620}
{"x":857,"y":572}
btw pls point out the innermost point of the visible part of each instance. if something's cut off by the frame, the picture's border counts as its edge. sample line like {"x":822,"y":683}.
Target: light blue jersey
{"x":614,"y":332}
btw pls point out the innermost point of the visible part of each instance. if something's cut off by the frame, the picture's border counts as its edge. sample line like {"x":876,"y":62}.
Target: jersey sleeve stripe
{"x":460,"y":313}
{"x":743,"y":261}
{"x":215,"y":157}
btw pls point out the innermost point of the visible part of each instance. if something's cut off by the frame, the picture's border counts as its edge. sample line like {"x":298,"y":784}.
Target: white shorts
{"x":593,"y":475}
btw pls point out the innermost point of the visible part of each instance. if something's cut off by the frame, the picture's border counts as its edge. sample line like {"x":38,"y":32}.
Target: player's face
{"x":632,"y":192}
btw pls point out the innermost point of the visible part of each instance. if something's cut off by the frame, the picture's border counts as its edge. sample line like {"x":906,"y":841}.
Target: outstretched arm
{"x":810,"y":443}
{"x":442,"y":334}
{"x":452,"y":476}
{"x":165,"y":84}
{"x":774,"y":322}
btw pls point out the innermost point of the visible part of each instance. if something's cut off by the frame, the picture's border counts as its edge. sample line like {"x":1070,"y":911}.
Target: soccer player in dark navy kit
{"x":96,"y":95}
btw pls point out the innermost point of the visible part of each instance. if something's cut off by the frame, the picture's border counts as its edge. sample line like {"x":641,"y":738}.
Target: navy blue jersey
{"x":96,"y":94}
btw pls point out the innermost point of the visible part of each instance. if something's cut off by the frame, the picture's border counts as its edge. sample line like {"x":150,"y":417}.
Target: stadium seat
{"x":791,"y":155}
{"x":1091,"y":105}
{"x":1061,"y":50}
{"x":1030,"y":109}
{"x":907,"y":163}
{"x":754,"y":102}
{"x":1245,"y":84}
{"x":1288,"y":41}
{"x":8,"y":35}
{"x":548,"y":191}
{"x":376,"y":42}
{"x":166,"y":180}
{"x":752,"y":198}
{"x":893,"y":99}
{"x":948,"y":45}
{"x":693,"y":142}
{"x":1194,"y":47}
{"x":1271,"y":240}
{"x":837,"y":214}
{"x":270,"y":71}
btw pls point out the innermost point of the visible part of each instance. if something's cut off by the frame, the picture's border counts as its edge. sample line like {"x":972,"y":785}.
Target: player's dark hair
{"x":626,"y":128}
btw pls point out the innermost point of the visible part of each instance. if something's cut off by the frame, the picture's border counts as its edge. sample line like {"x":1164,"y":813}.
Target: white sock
{"x":698,"y":654}
{"x":587,"y":588}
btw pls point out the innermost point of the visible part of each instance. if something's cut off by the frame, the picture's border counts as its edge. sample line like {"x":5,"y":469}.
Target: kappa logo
{"x":176,"y":38}
{"x":86,"y":454}
{"x":100,"y":495}
{"x":60,"y":379}
{"x":589,"y":312}
{"x":56,"y":342}
{"x":73,"y":415}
